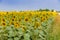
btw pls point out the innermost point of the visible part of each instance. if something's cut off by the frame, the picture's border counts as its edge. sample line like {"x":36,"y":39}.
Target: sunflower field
{"x":26,"y":25}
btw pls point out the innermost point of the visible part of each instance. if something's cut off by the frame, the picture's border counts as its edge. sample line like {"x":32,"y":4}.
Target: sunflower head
{"x":19,"y":19}
{"x":3,"y":20}
{"x":37,"y":24}
{"x":16,"y":25}
{"x":24,"y":28}
{"x":42,"y":19}
{"x":3,"y":24}
{"x":26,"y":19}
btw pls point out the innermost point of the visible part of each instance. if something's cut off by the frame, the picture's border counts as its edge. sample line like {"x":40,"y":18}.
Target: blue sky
{"x":29,"y":4}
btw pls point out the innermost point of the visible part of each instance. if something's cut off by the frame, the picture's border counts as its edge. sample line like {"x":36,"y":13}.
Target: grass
{"x":54,"y":32}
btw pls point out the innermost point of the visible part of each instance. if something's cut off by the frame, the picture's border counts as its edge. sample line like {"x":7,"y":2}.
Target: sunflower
{"x":24,"y":28}
{"x":13,"y":19}
{"x":19,"y":19}
{"x":3,"y":24}
{"x":54,"y":14}
{"x":14,"y":16}
{"x":26,"y":19}
{"x":46,"y":17}
{"x":3,"y":20}
{"x":43,"y":19}
{"x":37,"y":24}
{"x":11,"y":23}
{"x":30,"y":14}
{"x":16,"y":25}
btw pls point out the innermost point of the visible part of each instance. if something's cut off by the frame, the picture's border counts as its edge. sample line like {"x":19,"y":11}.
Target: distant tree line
{"x":46,"y":10}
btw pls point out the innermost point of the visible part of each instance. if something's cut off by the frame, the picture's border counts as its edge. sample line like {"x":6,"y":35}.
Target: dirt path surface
{"x":57,"y":19}
{"x":56,"y":26}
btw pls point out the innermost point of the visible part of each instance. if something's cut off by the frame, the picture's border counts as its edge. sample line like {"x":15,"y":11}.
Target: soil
{"x":56,"y":26}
